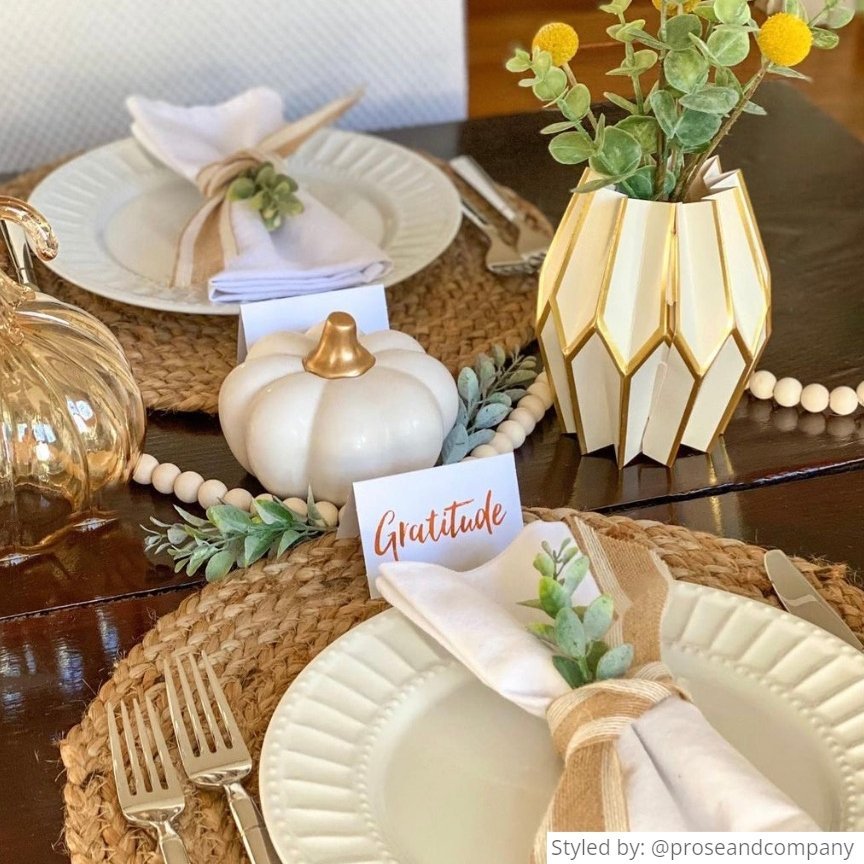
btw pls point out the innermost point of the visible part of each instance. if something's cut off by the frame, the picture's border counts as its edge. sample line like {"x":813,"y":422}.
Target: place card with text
{"x":367,"y":304}
{"x":459,"y":516}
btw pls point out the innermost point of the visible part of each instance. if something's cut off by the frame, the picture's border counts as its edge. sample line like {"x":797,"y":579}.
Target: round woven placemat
{"x":262,"y":627}
{"x":454,"y":307}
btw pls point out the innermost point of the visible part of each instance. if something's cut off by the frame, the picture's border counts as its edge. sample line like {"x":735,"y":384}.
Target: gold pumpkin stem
{"x":339,"y":353}
{"x":41,"y":240}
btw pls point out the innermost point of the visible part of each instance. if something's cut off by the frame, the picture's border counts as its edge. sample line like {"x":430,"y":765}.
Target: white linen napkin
{"x":309,"y":253}
{"x":680,"y":774}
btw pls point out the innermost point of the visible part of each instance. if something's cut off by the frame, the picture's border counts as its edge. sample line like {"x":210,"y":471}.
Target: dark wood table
{"x":778,"y":478}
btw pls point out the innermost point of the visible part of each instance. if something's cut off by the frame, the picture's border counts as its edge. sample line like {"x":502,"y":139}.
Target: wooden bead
{"x":483,"y":451}
{"x":144,"y":468}
{"x":513,"y":431}
{"x":211,"y":492}
{"x":542,"y":391}
{"x":186,"y":486}
{"x":524,"y":418}
{"x":843,"y":401}
{"x":329,"y":513}
{"x":860,"y":393}
{"x":534,"y":406}
{"x":543,"y":377}
{"x":787,"y":392}
{"x":238,"y":498}
{"x":762,"y":384}
{"x":298,"y":505}
{"x":814,"y":398}
{"x":501,"y":443}
{"x":164,"y":476}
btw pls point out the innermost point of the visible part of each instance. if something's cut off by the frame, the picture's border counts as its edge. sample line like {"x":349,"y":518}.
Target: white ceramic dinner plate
{"x":385,"y":749}
{"x":118,"y":213}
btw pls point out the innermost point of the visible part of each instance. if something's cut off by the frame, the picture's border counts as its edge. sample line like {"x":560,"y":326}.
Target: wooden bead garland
{"x":814,"y":398}
{"x":190,"y":486}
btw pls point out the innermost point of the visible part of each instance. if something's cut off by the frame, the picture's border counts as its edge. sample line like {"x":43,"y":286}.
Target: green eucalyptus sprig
{"x":657,"y":151}
{"x":576,"y":634}
{"x":487,"y":392}
{"x":270,"y":193}
{"x":230,"y":537}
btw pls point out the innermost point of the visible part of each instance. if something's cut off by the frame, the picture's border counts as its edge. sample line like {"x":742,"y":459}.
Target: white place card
{"x":459,"y":516}
{"x":367,"y":304}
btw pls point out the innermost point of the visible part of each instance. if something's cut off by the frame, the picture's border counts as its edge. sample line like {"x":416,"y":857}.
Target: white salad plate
{"x":118,"y":213}
{"x":385,"y":749}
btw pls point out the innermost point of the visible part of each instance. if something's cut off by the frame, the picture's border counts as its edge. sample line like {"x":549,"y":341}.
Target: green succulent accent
{"x":658,"y":150}
{"x":487,"y":392}
{"x":270,"y":193}
{"x":230,"y":537}
{"x":576,"y":632}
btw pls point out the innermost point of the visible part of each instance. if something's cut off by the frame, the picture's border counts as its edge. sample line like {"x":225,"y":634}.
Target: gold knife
{"x":800,"y":598}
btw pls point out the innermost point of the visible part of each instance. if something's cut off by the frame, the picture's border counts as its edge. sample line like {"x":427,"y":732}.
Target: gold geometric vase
{"x":652,"y":316}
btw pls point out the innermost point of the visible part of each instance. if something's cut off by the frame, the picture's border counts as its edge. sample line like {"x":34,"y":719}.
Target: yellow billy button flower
{"x":785,"y":39}
{"x":674,"y":8}
{"x":560,"y":40}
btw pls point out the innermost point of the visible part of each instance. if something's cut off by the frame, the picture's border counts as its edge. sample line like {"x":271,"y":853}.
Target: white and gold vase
{"x":652,"y":315}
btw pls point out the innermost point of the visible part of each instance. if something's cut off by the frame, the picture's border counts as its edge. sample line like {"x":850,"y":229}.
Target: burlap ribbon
{"x":208,"y":240}
{"x":586,"y":723}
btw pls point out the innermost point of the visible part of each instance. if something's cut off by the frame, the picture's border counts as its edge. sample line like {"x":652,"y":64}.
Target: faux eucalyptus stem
{"x":689,"y":174}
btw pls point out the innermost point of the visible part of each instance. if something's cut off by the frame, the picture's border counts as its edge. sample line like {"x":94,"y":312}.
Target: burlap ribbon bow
{"x":586,"y":723}
{"x":208,"y":240}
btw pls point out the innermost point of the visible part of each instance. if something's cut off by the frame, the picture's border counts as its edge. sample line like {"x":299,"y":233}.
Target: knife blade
{"x":800,"y":598}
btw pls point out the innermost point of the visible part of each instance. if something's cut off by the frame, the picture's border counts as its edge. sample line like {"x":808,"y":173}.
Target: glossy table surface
{"x":777,"y":478}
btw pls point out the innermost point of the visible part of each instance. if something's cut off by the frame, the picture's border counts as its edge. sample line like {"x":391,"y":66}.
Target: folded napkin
{"x":637,"y":756}
{"x":226,"y":243}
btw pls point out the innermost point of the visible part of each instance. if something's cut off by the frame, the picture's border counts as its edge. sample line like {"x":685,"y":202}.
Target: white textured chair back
{"x":67,"y":67}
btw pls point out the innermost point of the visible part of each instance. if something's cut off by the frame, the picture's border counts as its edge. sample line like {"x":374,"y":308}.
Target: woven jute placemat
{"x":454,"y":307}
{"x":260,"y":628}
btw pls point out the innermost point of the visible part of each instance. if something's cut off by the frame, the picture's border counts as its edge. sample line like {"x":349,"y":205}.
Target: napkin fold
{"x":635,"y":736}
{"x":226,"y":243}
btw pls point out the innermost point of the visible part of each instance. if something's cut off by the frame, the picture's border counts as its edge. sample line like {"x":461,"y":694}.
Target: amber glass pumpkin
{"x":71,"y":416}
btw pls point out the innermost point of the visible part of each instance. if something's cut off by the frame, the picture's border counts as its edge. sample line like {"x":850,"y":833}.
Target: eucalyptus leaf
{"x":219,"y":566}
{"x":570,"y":633}
{"x":526,"y":82}
{"x":598,"y":618}
{"x":753,"y":108}
{"x":552,"y":596}
{"x":571,"y":148}
{"x":455,"y":447}
{"x":644,"y":129}
{"x":254,"y":547}
{"x":569,"y":670}
{"x":574,"y":572}
{"x":576,"y":102}
{"x":551,"y":86}
{"x":287,"y":540}
{"x":644,"y":59}
{"x":640,"y":184}
{"x":621,"y":102}
{"x":555,"y":128}
{"x":729,"y":44}
{"x":686,"y":70}
{"x":732,"y":11}
{"x":541,"y":630}
{"x":598,"y":183}
{"x":724,"y":77}
{"x":544,"y":564}
{"x":462,"y":414}
{"x":707,"y":13}
{"x":480,"y":436}
{"x":620,"y":156}
{"x":665,"y":110}
{"x":696,"y":129}
{"x":177,"y":534}
{"x":468,"y":385}
{"x":712,"y":99}
{"x":786,"y":72}
{"x":541,"y":63}
{"x":485,"y":369}
{"x":626,"y":32}
{"x":616,"y":7}
{"x":595,"y":652}
{"x":498,"y":355}
{"x":649,"y":41}
{"x":491,"y":415}
{"x":838,"y":17}
{"x":519,"y":62}
{"x":615,"y":662}
{"x":676,"y":34}
{"x":228,"y":518}
{"x":824,"y":39}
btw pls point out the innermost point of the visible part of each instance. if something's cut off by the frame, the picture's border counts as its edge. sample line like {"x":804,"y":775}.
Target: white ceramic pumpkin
{"x":324,"y":409}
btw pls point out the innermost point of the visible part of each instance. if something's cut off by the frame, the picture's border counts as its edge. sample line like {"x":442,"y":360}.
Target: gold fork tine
{"x":206,"y":707}
{"x":120,"y":778}
{"x":176,"y":711}
{"x":171,"y":778}
{"x":133,"y":750}
{"x":146,"y":747}
{"x":222,"y":703}
{"x":190,"y":707}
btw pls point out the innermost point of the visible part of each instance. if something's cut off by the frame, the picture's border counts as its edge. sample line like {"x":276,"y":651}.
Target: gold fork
{"x":158,"y":800}
{"x":222,"y":760}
